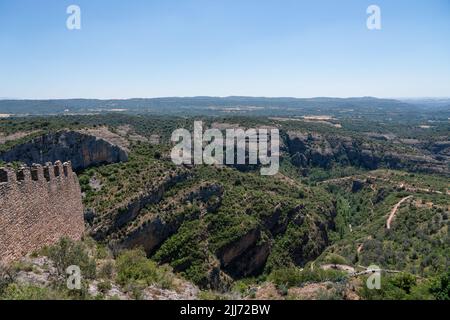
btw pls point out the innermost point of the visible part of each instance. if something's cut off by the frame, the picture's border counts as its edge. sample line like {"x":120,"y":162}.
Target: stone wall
{"x":38,"y":206}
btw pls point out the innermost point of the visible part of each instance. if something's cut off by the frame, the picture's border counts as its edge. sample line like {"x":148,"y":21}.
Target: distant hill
{"x":441,"y":103}
{"x":86,"y":105}
{"x":349,"y":108}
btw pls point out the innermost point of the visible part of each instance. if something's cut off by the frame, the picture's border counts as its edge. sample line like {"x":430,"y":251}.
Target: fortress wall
{"x":38,"y":206}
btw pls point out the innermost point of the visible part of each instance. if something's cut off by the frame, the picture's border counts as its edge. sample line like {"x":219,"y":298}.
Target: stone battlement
{"x":36,"y":172}
{"x":38,"y":206}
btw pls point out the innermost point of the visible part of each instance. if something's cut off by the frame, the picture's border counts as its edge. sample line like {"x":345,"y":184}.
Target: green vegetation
{"x":187,"y":252}
{"x":32,"y":292}
{"x":131,"y":270}
{"x":134,"y":269}
{"x":229,"y":229}
{"x":416,"y":243}
{"x":69,"y":253}
{"x":405,"y":286}
{"x":294,"y":277}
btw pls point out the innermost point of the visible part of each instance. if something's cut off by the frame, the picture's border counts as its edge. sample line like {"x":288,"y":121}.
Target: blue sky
{"x":154,"y":48}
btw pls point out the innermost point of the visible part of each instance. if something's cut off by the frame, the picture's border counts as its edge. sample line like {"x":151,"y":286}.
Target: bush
{"x":332,"y":294}
{"x":102,"y":252}
{"x":31,"y":292}
{"x":335,"y":259}
{"x":104,"y":286}
{"x":440,"y":287}
{"x":242,"y":287}
{"x":106,"y":270}
{"x":133,"y":268}
{"x":388,"y":291}
{"x":403,"y":286}
{"x":210,"y":295}
{"x":320,"y":275}
{"x":83,"y":180}
{"x":404,"y":281}
{"x":70,"y":253}
{"x":294,"y":277}
{"x":289,"y":277}
{"x":7,"y":276}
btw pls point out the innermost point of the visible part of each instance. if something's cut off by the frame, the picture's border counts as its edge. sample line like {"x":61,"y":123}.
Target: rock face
{"x":121,"y":216}
{"x":42,"y":273}
{"x":153,"y":232}
{"x":245,"y":256}
{"x":38,"y":206}
{"x":313,"y":149}
{"x":81,"y":149}
{"x":248,"y":255}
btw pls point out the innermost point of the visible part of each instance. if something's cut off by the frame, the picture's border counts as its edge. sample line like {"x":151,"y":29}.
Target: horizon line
{"x":224,"y":97}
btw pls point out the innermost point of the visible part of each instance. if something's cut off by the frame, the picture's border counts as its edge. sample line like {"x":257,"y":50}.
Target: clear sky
{"x":154,"y":48}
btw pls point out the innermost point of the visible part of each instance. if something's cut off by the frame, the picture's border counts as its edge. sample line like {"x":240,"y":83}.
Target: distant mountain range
{"x":224,"y":105}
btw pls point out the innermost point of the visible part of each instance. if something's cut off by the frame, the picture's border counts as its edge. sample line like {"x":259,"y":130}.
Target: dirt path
{"x":287,"y":179}
{"x":401,"y":185}
{"x":331,"y":181}
{"x":394,"y":211}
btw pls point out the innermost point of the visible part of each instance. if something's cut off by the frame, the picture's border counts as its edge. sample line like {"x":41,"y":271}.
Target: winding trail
{"x":394,"y":211}
{"x":401,"y":185}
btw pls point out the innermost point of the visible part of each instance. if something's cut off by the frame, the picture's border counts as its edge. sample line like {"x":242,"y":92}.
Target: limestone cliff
{"x":82,"y":150}
{"x":313,"y":149}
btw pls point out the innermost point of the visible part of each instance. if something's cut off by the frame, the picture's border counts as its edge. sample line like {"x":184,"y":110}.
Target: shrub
{"x":7,"y":276}
{"x":106,"y":270}
{"x":104,"y":286}
{"x":133,"y":268}
{"x":102,"y":252}
{"x":331,"y":294}
{"x":289,"y":277}
{"x":320,"y":275}
{"x":30,"y":292}
{"x":440,"y":287}
{"x":241,"y":287}
{"x":335,"y":259}
{"x":404,"y":281}
{"x":83,"y":180}
{"x":67,"y":253}
{"x":210,"y":295}
{"x":403,"y":286}
{"x":22,"y":266}
{"x":292,"y":277}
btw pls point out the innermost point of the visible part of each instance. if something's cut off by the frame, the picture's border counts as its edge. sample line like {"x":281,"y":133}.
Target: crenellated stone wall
{"x":38,"y":206}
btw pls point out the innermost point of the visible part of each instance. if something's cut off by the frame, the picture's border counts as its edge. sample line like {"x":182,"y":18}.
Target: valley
{"x":346,"y":197}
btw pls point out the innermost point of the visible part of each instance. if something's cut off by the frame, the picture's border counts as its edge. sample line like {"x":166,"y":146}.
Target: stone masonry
{"x":38,"y":206}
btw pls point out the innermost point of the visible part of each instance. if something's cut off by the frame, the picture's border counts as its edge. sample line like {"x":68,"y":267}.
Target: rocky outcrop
{"x":151,"y":234}
{"x":155,"y":230}
{"x":129,"y":213}
{"x":313,"y":149}
{"x":41,"y":272}
{"x":245,"y":256}
{"x":122,"y":215}
{"x":82,"y":150}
